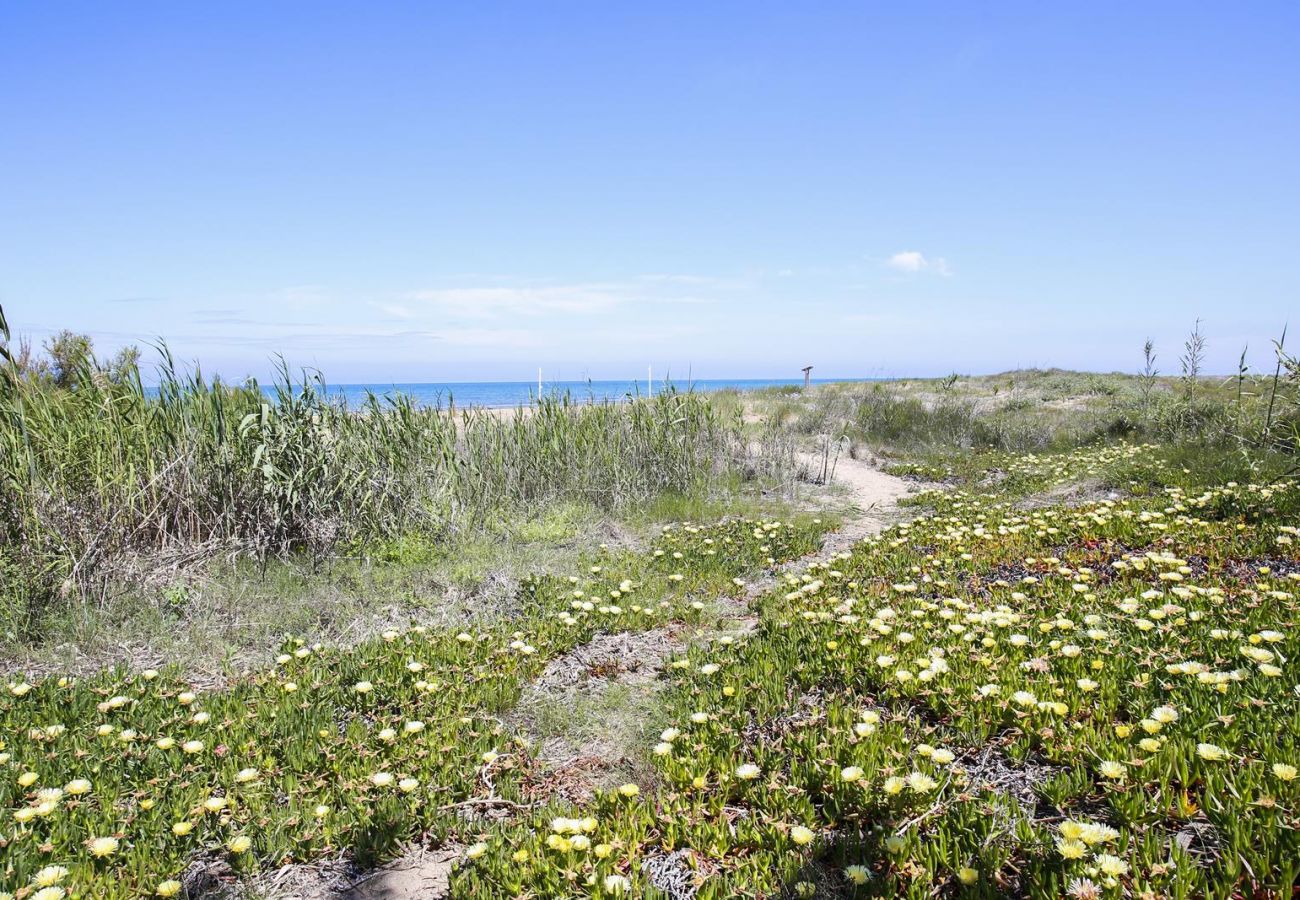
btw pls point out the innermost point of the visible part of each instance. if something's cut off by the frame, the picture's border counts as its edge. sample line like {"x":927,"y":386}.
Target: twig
{"x":486,"y":801}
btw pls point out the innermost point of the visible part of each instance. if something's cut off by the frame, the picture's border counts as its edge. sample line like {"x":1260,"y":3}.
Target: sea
{"x":502,"y":394}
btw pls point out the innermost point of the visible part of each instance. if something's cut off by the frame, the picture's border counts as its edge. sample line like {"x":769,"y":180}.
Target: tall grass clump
{"x":101,"y":470}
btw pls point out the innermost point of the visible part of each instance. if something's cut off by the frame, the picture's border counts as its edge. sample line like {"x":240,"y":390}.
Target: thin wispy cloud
{"x":669,"y":278}
{"x":300,"y":296}
{"x":912,"y":261}
{"x":222,"y":317}
{"x":495,"y":302}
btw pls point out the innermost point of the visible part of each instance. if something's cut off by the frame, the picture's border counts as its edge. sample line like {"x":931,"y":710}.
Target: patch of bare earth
{"x":419,"y":873}
{"x":1070,"y":493}
{"x":587,"y":712}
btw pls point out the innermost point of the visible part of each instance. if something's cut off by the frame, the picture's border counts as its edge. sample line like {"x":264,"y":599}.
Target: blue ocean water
{"x":513,"y":393}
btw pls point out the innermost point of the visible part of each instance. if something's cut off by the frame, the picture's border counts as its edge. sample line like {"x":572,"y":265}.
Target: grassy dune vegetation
{"x":1065,"y":669}
{"x":107,"y":484}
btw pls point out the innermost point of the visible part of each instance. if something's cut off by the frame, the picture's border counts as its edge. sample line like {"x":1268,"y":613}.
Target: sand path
{"x":870,"y":496}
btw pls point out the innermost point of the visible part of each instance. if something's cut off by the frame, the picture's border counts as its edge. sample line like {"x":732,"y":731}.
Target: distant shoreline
{"x":511,"y":394}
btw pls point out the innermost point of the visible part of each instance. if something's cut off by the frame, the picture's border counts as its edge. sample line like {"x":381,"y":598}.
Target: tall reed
{"x":109,"y":469}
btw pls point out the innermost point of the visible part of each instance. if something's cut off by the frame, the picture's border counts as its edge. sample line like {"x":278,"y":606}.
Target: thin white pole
{"x":539,"y":384}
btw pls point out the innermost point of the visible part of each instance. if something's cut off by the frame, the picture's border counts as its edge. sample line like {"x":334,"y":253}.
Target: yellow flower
{"x":968,"y":876}
{"x":801,"y":835}
{"x":851,"y":774}
{"x":180,"y":829}
{"x":50,"y":875}
{"x":857,"y":875}
{"x":1211,"y":752}
{"x":1164,"y":714}
{"x":381,"y":779}
{"x":1112,"y":865}
{"x":1115,"y":771}
{"x":1284,"y":771}
{"x":629,"y":790}
{"x":192,"y":747}
{"x":921,"y":783}
{"x":77,"y":787}
{"x":240,"y":844}
{"x":102,"y":847}
{"x":474,"y":851}
{"x":169,"y":888}
{"x":1071,"y":849}
{"x":27,"y":779}
{"x":748,"y":772}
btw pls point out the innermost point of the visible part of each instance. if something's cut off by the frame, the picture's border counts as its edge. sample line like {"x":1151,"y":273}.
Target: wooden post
{"x":807,"y":375}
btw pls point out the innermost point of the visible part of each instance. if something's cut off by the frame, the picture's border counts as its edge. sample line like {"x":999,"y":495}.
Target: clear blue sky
{"x":460,"y":191}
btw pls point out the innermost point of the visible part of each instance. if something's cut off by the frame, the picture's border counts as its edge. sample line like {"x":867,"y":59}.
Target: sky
{"x":396,"y":192}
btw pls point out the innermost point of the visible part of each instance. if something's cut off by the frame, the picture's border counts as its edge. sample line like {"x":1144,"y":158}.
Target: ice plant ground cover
{"x":110,"y":786}
{"x":997,"y":698}
{"x":991,"y":700}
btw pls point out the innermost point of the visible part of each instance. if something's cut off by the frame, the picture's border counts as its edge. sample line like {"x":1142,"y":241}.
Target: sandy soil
{"x":870,"y":495}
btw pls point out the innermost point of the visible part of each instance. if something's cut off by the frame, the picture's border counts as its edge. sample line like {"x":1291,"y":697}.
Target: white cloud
{"x":911,"y":261}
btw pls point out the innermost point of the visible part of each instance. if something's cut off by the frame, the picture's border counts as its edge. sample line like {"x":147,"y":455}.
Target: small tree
{"x":70,"y":354}
{"x":122,"y":367}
